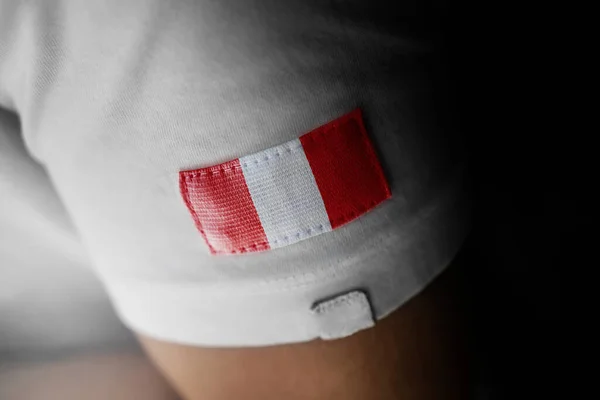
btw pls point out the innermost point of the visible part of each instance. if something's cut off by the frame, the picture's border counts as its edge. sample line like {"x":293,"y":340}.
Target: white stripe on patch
{"x":285,"y":194}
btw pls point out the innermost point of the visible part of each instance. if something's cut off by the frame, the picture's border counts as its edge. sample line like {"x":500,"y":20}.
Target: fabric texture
{"x":116,"y":98}
{"x":222,"y":208}
{"x":346,"y":168}
{"x":297,"y":190}
{"x":344,"y":315}
{"x":285,"y":194}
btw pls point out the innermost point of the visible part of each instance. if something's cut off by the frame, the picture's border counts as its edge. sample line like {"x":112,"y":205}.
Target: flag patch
{"x":287,"y":193}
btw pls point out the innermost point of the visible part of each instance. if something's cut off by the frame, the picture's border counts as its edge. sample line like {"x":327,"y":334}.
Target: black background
{"x":502,"y":82}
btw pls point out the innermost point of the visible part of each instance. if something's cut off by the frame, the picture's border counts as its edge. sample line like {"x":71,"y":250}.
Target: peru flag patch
{"x":287,"y":193}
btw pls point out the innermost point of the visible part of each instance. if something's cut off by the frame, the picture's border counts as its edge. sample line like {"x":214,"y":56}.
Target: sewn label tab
{"x":343,"y":315}
{"x":291,"y":192}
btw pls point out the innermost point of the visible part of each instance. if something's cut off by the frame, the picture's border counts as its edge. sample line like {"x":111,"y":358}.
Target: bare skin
{"x":416,"y":353}
{"x":106,"y":376}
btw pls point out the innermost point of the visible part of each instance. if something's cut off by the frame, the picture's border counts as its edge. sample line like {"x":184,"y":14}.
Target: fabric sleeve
{"x":117,"y":98}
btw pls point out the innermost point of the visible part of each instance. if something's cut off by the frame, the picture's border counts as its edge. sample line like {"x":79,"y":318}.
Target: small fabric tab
{"x":343,"y":315}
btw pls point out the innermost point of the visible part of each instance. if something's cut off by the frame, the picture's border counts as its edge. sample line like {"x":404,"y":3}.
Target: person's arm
{"x":415,"y":353}
{"x":92,"y":376}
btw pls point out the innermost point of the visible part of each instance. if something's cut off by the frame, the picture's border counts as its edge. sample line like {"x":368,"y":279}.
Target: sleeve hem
{"x":279,"y":313}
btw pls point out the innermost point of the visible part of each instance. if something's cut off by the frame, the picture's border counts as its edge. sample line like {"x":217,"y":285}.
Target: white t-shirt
{"x":116,"y":98}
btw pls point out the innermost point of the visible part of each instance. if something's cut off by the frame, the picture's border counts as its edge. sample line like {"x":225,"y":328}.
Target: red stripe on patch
{"x":220,"y":203}
{"x":346,"y":168}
